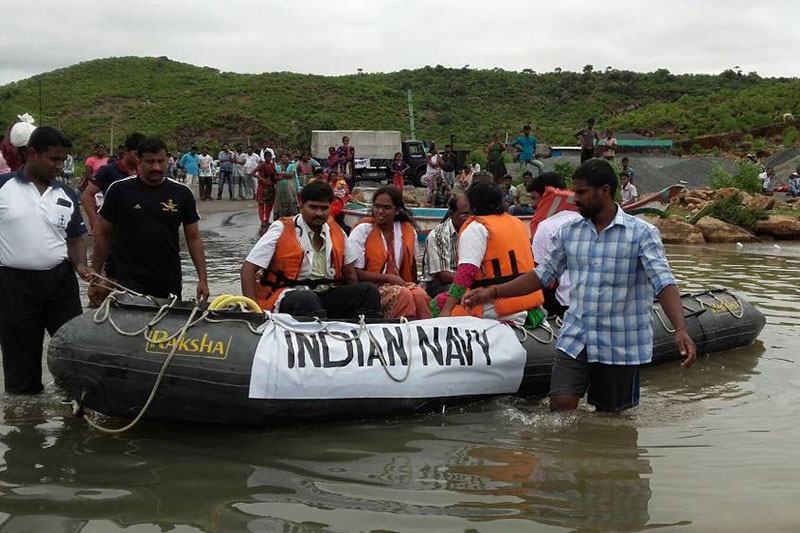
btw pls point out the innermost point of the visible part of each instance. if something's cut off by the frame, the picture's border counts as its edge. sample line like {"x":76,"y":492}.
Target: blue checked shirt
{"x":614,"y":276}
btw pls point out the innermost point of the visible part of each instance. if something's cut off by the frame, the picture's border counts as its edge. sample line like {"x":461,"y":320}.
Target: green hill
{"x":185,"y":103}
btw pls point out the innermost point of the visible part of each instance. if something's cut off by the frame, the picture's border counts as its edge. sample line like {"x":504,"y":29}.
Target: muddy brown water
{"x":711,"y":448}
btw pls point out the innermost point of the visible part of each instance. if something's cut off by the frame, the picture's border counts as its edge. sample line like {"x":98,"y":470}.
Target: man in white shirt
{"x":205,"y":163}
{"x":250,"y":165}
{"x":556,"y":300}
{"x":41,"y":243}
{"x":321,"y":284}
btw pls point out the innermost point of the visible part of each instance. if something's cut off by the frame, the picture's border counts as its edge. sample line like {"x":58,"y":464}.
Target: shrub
{"x":790,"y":136}
{"x":745,"y":179}
{"x":731,"y":210}
{"x":479,"y":157}
{"x":565,"y":169}
{"x":720,"y":179}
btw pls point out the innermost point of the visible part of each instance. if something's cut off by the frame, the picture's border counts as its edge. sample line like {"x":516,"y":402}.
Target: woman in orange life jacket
{"x":493,"y":247}
{"x":392,"y":267}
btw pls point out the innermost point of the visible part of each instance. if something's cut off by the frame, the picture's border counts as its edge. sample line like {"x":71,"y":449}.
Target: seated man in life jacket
{"x":302,"y":263}
{"x":493,"y":247}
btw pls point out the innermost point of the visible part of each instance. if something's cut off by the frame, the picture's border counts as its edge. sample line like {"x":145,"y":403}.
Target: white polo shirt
{"x":263,"y":251}
{"x":34,"y":227}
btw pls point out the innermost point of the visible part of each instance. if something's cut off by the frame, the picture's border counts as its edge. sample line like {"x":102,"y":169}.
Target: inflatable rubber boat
{"x":243,"y":368}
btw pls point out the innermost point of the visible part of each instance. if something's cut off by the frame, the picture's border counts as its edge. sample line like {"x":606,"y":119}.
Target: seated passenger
{"x":440,"y":258}
{"x":493,"y":248}
{"x":393,"y":268}
{"x":302,"y":258}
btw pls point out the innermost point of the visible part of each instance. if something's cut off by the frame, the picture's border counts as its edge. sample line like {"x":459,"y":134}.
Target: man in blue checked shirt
{"x":616,"y":264}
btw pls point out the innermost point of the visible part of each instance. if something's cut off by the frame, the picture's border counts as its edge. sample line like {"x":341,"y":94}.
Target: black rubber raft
{"x":114,"y":374}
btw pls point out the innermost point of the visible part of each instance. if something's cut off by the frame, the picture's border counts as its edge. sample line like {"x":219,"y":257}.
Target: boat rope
{"x":379,"y":349}
{"x":112,"y":285}
{"x":529,"y":333}
{"x":77,"y":409}
{"x":725,"y":305}
{"x":657,"y":312}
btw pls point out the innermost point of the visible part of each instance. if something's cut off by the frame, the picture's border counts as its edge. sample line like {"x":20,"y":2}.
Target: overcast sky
{"x":338,"y":37}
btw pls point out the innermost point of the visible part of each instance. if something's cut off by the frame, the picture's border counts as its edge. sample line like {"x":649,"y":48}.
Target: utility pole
{"x":111,"y":143}
{"x":411,"y":114}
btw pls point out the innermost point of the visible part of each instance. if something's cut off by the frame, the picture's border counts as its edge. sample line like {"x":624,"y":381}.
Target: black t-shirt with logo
{"x":146,"y":221}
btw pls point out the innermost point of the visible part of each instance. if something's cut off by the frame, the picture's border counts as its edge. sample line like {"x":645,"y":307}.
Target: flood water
{"x":711,"y":448}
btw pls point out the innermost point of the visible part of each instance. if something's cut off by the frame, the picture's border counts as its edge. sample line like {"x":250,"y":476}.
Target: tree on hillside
{"x":305,"y":125}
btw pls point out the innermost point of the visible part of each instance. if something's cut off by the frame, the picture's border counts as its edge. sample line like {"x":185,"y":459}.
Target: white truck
{"x":374,"y":152}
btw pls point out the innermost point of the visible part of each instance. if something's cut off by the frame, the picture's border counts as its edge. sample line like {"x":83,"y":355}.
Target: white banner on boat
{"x":442,"y":357}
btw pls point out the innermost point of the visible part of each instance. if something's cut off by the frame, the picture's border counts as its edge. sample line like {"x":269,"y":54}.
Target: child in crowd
{"x":399,"y":168}
{"x":626,"y":169}
{"x":629,"y":192}
{"x":341,"y":195}
{"x":441,"y":196}
{"x":265,"y":191}
{"x":509,"y":191}
{"x":463,"y":180}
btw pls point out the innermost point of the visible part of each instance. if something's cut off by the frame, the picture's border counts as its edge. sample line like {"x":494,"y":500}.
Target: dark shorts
{"x":586,"y":154}
{"x":612,"y":388}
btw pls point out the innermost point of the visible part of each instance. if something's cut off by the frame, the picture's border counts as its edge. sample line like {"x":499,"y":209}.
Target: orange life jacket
{"x":552,"y":201}
{"x":508,"y":255}
{"x":284,"y":268}
{"x":377,"y":256}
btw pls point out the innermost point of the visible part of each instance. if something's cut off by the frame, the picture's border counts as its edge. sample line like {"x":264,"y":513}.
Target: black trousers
{"x":586,"y":154}
{"x":34,"y":301}
{"x":205,"y":187}
{"x":347,"y":301}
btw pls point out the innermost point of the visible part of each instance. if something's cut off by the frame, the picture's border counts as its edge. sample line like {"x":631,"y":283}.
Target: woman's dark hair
{"x":402,"y":213}
{"x":432,"y":148}
{"x":150,"y":145}
{"x":316,"y":191}
{"x":398,"y":153}
{"x":99,"y":145}
{"x":46,"y":137}
{"x":548,"y":179}
{"x":485,"y":199}
{"x":596,"y":173}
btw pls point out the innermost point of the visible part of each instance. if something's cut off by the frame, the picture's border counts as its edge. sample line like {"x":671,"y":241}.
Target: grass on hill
{"x":185,"y":103}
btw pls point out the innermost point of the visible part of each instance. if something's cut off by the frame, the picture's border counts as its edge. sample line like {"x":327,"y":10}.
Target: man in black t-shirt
{"x":144,"y":213}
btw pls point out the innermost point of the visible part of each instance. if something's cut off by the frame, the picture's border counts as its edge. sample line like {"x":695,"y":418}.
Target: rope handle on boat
{"x":77,"y":408}
{"x":529,"y":333}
